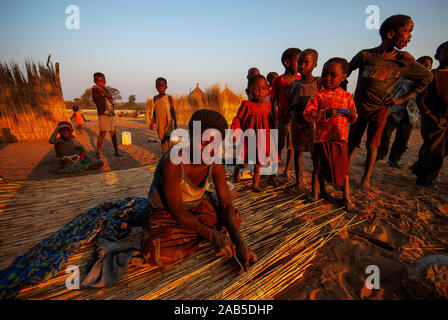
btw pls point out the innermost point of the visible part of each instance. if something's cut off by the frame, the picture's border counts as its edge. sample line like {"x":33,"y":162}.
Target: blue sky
{"x":134,"y":42}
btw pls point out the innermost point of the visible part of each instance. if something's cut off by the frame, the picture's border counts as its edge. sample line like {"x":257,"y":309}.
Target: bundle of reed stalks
{"x":31,"y":102}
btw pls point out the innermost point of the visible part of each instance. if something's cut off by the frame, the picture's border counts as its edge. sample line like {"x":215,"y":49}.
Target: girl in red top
{"x":79,"y":118}
{"x":333,"y":109}
{"x":254,"y":114}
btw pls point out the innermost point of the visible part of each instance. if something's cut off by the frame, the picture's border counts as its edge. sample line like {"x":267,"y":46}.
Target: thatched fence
{"x":226,"y":102}
{"x":31,"y":102}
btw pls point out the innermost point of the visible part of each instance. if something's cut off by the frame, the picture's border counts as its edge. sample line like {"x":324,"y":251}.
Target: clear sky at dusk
{"x":134,"y":42}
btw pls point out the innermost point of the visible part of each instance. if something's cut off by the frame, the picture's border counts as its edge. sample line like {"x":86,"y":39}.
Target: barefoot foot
{"x":365,"y":184}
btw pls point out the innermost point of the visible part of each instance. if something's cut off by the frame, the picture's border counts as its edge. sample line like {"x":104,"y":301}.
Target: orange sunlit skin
{"x":259,"y":90}
{"x":306,"y":65}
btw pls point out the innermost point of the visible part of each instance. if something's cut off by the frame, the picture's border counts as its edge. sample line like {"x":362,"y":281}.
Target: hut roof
{"x":197,"y":91}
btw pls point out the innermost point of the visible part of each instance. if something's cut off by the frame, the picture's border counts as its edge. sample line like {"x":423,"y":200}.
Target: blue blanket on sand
{"x":44,"y":260}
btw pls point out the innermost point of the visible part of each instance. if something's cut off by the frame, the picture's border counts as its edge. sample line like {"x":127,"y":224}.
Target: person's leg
{"x":166,"y":242}
{"x":374,"y":132}
{"x":288,"y":163}
{"x":113,"y":137}
{"x":432,"y":151}
{"x":281,"y":138}
{"x":400,"y":145}
{"x":163,"y":147}
{"x":298,"y":168}
{"x":315,"y":185}
{"x":289,"y":154}
{"x":355,"y":134}
{"x":256,"y":180}
{"x":370,"y":164}
{"x":346,"y":194}
{"x":99,"y":143}
{"x":385,"y":138}
{"x":80,"y":128}
{"x":236,"y":172}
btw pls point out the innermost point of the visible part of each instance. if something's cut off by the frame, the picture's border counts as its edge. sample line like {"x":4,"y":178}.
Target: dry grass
{"x":226,"y":102}
{"x":31,"y":102}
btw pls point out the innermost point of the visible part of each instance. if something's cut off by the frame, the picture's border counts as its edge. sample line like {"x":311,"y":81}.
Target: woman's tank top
{"x":192,"y":195}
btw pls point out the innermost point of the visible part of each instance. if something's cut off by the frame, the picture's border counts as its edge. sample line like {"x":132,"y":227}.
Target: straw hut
{"x":31,"y":102}
{"x":198,"y":99}
{"x":214,"y":97}
{"x":230,"y":103}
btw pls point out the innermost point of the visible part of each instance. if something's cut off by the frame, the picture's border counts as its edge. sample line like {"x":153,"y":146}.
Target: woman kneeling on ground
{"x":180,"y":216}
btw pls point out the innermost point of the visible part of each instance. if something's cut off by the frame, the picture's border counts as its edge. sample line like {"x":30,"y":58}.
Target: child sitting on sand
{"x":164,"y":116}
{"x":69,"y":152}
{"x":433,"y":106}
{"x":299,"y":93}
{"x":333,"y":109}
{"x":79,"y":118}
{"x":254,"y":114}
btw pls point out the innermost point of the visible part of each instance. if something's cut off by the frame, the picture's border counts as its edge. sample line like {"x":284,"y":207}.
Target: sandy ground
{"x":404,"y":222}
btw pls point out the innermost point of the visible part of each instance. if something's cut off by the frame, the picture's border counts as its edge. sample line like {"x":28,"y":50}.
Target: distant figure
{"x":164,"y":116}
{"x":270,"y":78}
{"x":379,"y":70}
{"x":299,"y":93}
{"x":433,"y":105}
{"x":69,"y":152}
{"x":332,"y":109}
{"x":105,"y":109}
{"x":79,"y":118}
{"x":401,"y":117}
{"x":254,"y":114}
{"x":279,"y":102}
{"x":252,"y":72}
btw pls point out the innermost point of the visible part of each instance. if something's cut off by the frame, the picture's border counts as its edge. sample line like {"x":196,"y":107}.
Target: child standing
{"x":279,"y":102}
{"x":270,"y":78}
{"x":254,"y":114}
{"x":299,"y":93}
{"x":105,"y":109}
{"x":252,"y":72}
{"x":164,"y":116}
{"x":79,"y":118}
{"x":333,"y":109}
{"x":433,"y":105}
{"x":379,"y":70}
{"x":401,"y":117}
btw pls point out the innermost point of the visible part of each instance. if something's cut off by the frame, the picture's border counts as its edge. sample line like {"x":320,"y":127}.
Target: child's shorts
{"x":374,"y":122}
{"x":330,"y":161}
{"x":302,"y":135}
{"x":107,"y":123}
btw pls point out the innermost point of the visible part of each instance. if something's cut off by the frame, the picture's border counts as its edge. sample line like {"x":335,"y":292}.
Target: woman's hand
{"x":245,"y":256}
{"x":223,"y":245}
